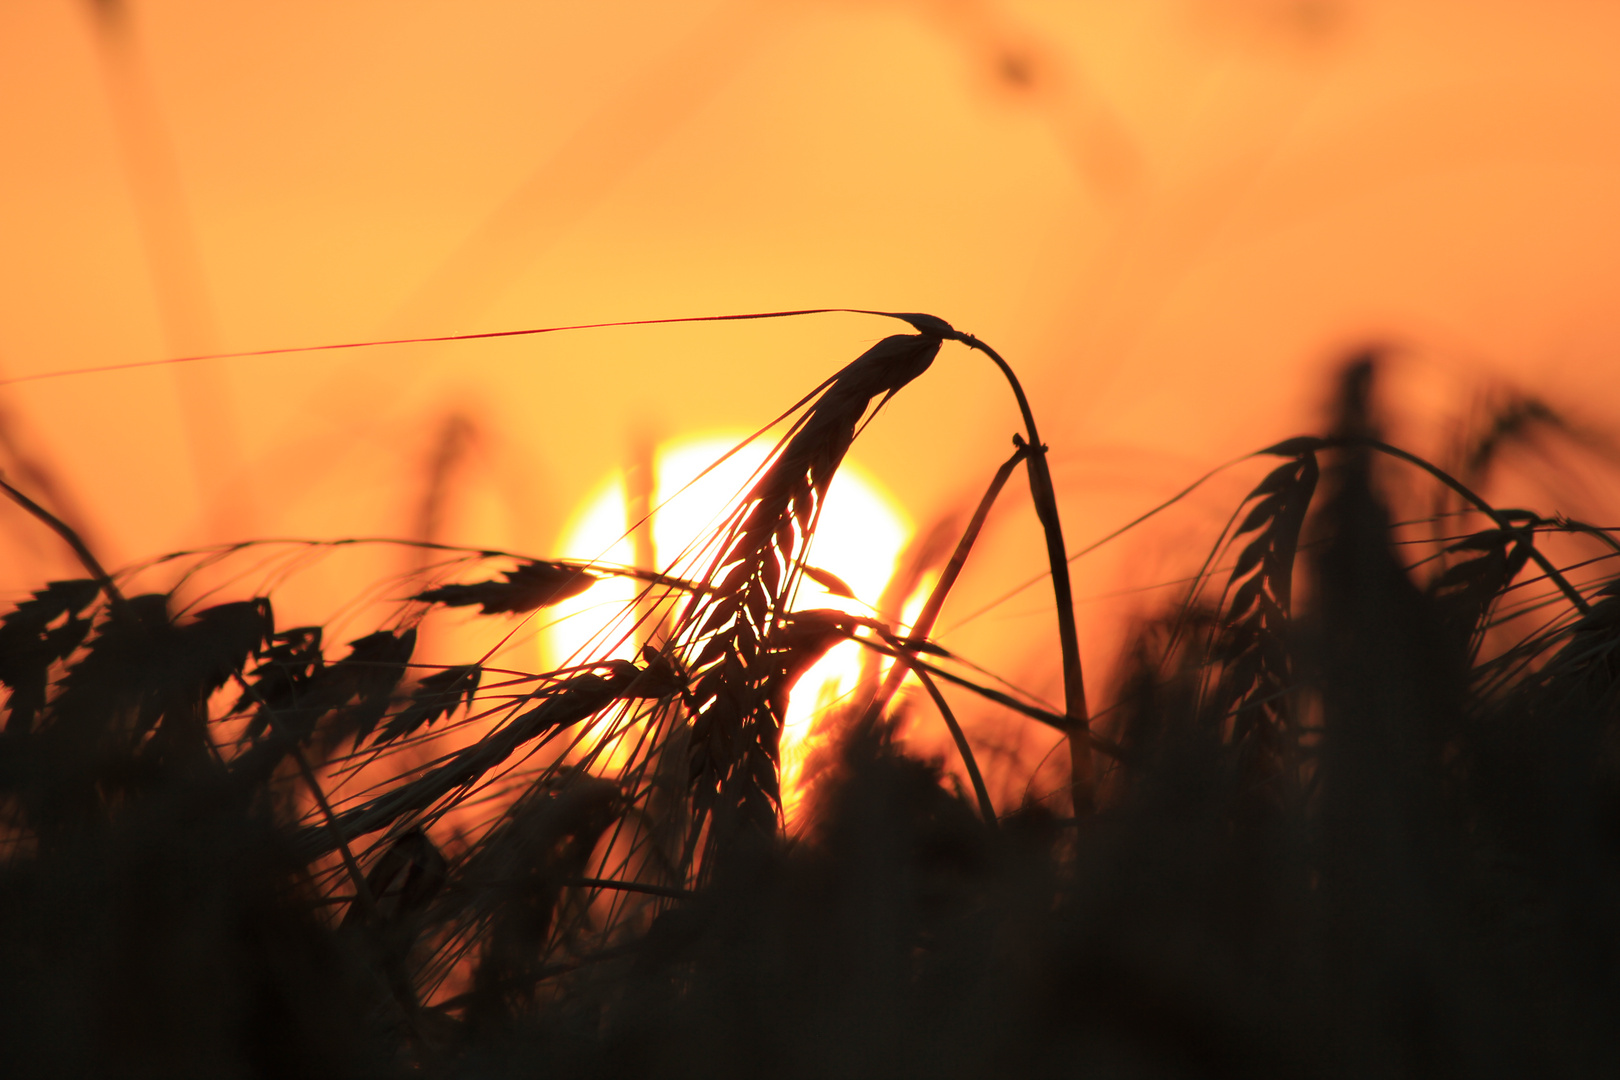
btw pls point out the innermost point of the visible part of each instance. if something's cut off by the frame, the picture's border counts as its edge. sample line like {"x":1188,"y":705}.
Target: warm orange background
{"x":1170,"y":215}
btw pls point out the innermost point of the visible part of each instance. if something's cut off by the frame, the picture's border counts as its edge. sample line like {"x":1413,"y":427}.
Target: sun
{"x":859,"y":537}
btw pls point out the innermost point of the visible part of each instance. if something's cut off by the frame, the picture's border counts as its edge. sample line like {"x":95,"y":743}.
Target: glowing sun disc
{"x":859,"y":537}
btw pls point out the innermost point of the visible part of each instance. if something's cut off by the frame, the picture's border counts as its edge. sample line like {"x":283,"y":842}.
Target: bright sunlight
{"x":859,"y":538}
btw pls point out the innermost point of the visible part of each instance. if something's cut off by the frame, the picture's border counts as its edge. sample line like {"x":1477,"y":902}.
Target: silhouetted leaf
{"x":829,"y":581}
{"x":1245,"y":597}
{"x":29,"y":644}
{"x":757,"y":603}
{"x":569,"y":702}
{"x":734,"y":578}
{"x":1263,"y":511}
{"x":220,"y":639}
{"x":658,"y":679}
{"x":374,"y":666}
{"x":1277,"y":479}
{"x":1300,"y":444}
{"x":723,"y":613}
{"x":436,"y":696}
{"x":531,"y":586}
{"x":1250,"y":558}
{"x":285,"y":675}
{"x":403,"y":882}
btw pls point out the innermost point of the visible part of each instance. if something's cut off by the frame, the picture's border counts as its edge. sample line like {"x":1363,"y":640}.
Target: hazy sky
{"x":1171,"y":215}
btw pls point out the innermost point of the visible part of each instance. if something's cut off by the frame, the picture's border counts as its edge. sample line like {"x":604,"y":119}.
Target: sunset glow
{"x":1220,"y":402}
{"x":1171,"y":216}
{"x":858,"y":538}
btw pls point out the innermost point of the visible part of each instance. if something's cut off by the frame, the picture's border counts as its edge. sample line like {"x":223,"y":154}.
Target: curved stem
{"x":936,"y":597}
{"x":364,"y":902}
{"x":1496,"y":516}
{"x":65,"y":531}
{"x":986,"y":807}
{"x":904,"y":650}
{"x":1046,"y":509}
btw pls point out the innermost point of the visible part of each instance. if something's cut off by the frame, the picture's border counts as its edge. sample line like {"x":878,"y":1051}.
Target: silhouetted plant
{"x":1335,"y":836}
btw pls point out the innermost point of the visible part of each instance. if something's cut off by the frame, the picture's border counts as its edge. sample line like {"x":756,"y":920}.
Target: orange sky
{"x":1169,"y":215}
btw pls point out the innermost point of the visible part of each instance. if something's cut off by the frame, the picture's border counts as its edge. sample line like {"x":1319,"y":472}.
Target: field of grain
{"x":809,"y":538}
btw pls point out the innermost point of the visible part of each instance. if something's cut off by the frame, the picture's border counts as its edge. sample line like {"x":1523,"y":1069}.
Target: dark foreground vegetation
{"x":1371,"y":833}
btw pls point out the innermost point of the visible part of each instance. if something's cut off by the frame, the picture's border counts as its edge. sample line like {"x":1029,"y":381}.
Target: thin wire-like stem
{"x":947,"y":578}
{"x":986,"y":807}
{"x":667,"y":892}
{"x":893,"y":647}
{"x":1500,"y":520}
{"x":366,"y":902}
{"x":1044,"y":497}
{"x":86,"y":557}
{"x":288,"y":350}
